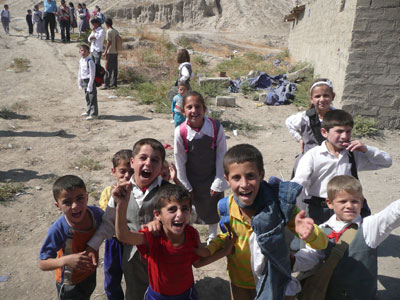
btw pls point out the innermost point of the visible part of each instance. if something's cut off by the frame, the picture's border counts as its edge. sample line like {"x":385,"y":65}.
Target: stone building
{"x":356,"y":44}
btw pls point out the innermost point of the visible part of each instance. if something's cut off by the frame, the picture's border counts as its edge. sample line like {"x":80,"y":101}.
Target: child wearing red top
{"x":171,"y":254}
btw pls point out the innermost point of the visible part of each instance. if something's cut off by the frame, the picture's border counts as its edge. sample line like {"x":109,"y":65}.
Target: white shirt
{"x":96,"y":45}
{"x":376,"y":228}
{"x":107,"y":227}
{"x":185,"y":71}
{"x":318,"y":166}
{"x":295,"y":122}
{"x":219,"y":184}
{"x":5,"y":14}
{"x":85,"y":72}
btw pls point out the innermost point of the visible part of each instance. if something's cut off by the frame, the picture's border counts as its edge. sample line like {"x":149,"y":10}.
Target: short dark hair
{"x":71,"y":4}
{"x":153,"y":143}
{"x":183,"y":83}
{"x":95,"y":21}
{"x":109,"y":22}
{"x":194,"y":94}
{"x":85,"y":47}
{"x":121,"y":155}
{"x":171,"y":192}
{"x":183,"y":56}
{"x":29,"y":11}
{"x":337,"y":117}
{"x":67,"y":183}
{"x":243,"y":153}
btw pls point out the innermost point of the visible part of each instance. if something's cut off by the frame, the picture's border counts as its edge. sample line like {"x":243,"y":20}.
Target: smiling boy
{"x":355,"y":275}
{"x":64,"y":247}
{"x":338,"y":155}
{"x":148,"y":158}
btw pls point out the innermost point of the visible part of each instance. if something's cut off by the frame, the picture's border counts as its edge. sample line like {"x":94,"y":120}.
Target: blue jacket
{"x":269,"y":225}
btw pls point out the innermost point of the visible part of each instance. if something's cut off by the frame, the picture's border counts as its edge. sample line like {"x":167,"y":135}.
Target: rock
{"x":39,"y":188}
{"x":225,"y":101}
{"x":262,"y":97}
{"x":298,"y":75}
{"x":112,"y":97}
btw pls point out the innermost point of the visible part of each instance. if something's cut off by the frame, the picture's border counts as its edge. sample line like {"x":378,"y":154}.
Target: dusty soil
{"x":48,"y":138}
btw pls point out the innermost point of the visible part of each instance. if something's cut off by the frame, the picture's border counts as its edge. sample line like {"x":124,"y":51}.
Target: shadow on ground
{"x":390,"y":247}
{"x":124,"y":118}
{"x":391,"y":285}
{"x":22,"y":175}
{"x":213,"y":288}
{"x":10,"y":115}
{"x":60,"y":133}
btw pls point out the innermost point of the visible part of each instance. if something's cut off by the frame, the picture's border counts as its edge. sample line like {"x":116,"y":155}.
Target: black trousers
{"x":49,"y":19}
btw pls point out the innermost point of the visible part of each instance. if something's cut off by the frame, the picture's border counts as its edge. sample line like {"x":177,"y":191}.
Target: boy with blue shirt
{"x":64,"y":247}
{"x":177,"y":104}
{"x":50,"y":11}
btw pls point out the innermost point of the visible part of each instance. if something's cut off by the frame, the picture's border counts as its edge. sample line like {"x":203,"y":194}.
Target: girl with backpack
{"x":199,"y":146}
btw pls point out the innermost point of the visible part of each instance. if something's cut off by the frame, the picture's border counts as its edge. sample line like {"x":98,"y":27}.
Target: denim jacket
{"x":269,"y":225}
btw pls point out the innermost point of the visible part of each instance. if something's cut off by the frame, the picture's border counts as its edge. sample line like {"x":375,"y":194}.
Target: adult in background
{"x":83,"y":22}
{"x":96,"y":40}
{"x":64,"y":13}
{"x":111,"y":55}
{"x":50,"y":11}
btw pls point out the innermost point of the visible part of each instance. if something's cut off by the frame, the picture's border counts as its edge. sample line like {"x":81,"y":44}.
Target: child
{"x":64,"y":247}
{"x":256,"y":205}
{"x":176,"y":106}
{"x":96,"y":40}
{"x":305,"y":126}
{"x":122,"y":171}
{"x":199,"y":146}
{"x":185,"y":68}
{"x":38,"y":20}
{"x":74,"y":23}
{"x":65,"y":18}
{"x":171,"y":254}
{"x":147,"y":160}
{"x":86,"y":74}
{"x":338,"y":155}
{"x":5,"y":18}
{"x":355,"y":274}
{"x":29,"y":21}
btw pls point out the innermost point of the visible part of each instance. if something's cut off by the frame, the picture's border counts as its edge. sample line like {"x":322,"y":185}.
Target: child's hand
{"x":79,"y":261}
{"x":172,"y":172}
{"x":213,"y":193}
{"x":121,"y":193}
{"x":154,"y":227}
{"x":229,"y":242}
{"x":91,"y":253}
{"x":304,"y":225}
{"x":356,"y":145}
{"x":301,"y":146}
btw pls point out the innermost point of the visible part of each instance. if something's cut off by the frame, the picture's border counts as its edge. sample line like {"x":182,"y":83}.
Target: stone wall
{"x":356,"y":44}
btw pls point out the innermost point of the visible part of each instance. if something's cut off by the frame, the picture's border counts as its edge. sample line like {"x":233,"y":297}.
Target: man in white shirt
{"x":96,"y":40}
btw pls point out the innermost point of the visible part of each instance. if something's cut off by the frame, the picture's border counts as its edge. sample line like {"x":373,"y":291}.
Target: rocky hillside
{"x":249,"y":19}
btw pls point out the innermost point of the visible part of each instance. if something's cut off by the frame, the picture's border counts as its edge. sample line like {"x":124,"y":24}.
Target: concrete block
{"x":388,"y":112}
{"x":381,"y":26}
{"x":223,"y":82}
{"x":262,"y":97}
{"x":385,"y":3}
{"x":391,"y":13}
{"x":228,"y":101}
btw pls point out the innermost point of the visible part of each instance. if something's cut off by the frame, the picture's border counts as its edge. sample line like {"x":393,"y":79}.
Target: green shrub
{"x":364,"y":127}
{"x":8,"y":191}
{"x":20,"y":64}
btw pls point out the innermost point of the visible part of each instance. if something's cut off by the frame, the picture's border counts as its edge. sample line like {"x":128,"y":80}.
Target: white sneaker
{"x":85,"y":114}
{"x":92,"y":118}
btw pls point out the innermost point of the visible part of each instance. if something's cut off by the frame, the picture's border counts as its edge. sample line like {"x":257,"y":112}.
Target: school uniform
{"x":185,"y":74}
{"x":5,"y":20}
{"x":65,"y":17}
{"x":30,"y":24}
{"x":38,"y":20}
{"x":139,"y":212}
{"x":355,"y":276}
{"x":86,"y":74}
{"x":200,"y":168}
{"x":96,"y":45}
{"x":318,"y":166}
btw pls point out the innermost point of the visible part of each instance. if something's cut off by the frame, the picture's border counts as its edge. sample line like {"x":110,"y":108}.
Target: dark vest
{"x":312,"y":135}
{"x":355,"y":276}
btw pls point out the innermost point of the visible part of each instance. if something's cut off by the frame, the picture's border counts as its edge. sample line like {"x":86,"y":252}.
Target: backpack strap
{"x":315,"y":287}
{"x":223,"y":211}
{"x":214,"y":140}
{"x":315,"y":125}
{"x":352,"y":161}
{"x":183,"y":133}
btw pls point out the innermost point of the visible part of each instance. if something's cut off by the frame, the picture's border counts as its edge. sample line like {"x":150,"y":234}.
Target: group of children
{"x":156,"y":260}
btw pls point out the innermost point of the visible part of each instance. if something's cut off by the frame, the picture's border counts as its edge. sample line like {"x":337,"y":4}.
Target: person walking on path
{"x":111,"y":55}
{"x":5,"y":18}
{"x":50,"y":11}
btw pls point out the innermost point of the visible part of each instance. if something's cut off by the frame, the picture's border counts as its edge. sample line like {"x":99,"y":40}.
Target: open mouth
{"x":178,"y":224}
{"x":76,"y":215}
{"x":146,"y":173}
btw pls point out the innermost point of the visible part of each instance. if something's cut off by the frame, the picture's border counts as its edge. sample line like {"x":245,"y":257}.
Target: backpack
{"x":102,"y":18}
{"x":99,"y":74}
{"x":118,"y":43}
{"x":183,"y":133}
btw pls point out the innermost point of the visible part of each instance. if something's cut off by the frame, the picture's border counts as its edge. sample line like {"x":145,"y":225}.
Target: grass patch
{"x":184,"y":42}
{"x":83,"y":38}
{"x":364,"y":127}
{"x":9,"y":190}
{"x":243,"y":126}
{"x":13,"y":112}
{"x":88,"y":163}
{"x":209,"y":89}
{"x":20,"y":64}
{"x":150,"y":93}
{"x":302,"y":94}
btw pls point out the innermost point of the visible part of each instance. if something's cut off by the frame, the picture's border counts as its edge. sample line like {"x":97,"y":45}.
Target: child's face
{"x":83,"y":52}
{"x":182,"y":90}
{"x":194,"y":112}
{"x":174,"y":216}
{"x":73,"y":204}
{"x":244,"y":180}
{"x":165,"y":173}
{"x":322,"y":97}
{"x":123,"y":172}
{"x":338,"y":137}
{"x":146,"y":165}
{"x":347,"y":206}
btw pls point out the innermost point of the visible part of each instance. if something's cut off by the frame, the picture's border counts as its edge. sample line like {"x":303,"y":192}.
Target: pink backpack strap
{"x":215,"y":133}
{"x":183,"y":132}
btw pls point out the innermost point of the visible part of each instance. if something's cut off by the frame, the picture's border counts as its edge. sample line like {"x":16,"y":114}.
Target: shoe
{"x":92,"y":118}
{"x":105,"y":88}
{"x":85,"y":114}
{"x":113,"y":87}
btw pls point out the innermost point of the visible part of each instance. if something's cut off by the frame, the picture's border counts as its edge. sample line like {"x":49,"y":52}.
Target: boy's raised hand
{"x":356,"y":145}
{"x":304,"y":225}
{"x":79,"y":261}
{"x":229,"y":243}
{"x":154,"y":227}
{"x":122,"y":192}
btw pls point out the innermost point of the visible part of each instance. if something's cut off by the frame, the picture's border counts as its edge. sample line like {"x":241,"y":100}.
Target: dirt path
{"x":48,"y":138}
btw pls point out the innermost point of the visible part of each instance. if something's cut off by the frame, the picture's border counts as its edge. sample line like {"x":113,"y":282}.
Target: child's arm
{"x":294,"y":123}
{"x":372,"y":159}
{"x":219,"y":184}
{"x":121,"y":195}
{"x":174,"y":174}
{"x":75,"y":261}
{"x":180,"y":159}
{"x":92,"y":71}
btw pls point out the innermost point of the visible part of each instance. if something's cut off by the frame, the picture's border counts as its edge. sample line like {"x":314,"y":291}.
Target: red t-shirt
{"x":170,"y":268}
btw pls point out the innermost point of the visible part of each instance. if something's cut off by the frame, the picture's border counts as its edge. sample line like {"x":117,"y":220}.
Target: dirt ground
{"x":47,"y":138}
